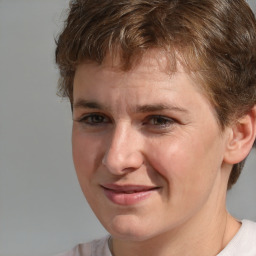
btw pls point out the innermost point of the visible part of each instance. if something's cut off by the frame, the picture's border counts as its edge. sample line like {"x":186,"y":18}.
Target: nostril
{"x":104,"y":160}
{"x":120,"y":163}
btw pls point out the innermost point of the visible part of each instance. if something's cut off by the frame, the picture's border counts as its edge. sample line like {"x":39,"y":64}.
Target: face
{"x":147,"y":148}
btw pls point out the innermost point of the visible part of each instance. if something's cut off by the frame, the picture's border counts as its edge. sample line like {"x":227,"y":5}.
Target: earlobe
{"x":241,"y":138}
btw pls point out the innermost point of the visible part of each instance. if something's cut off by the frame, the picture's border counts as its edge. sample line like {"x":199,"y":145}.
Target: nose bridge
{"x":124,"y":152}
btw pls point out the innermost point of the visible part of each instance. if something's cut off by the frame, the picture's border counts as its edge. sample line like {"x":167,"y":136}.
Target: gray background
{"x":42,"y":210}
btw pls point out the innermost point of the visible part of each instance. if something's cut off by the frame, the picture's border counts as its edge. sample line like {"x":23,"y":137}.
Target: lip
{"x":128,"y":194}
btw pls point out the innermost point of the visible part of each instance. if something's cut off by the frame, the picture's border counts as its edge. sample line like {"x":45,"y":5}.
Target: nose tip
{"x":118,"y":163}
{"x":123,"y":154}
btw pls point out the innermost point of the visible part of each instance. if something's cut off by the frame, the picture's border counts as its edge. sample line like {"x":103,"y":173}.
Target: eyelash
{"x":154,"y":121}
{"x":94,"y":119}
{"x":159,"y":121}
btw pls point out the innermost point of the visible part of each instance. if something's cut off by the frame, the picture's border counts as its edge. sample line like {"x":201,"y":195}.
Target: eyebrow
{"x":82,"y":103}
{"x":158,"y":107}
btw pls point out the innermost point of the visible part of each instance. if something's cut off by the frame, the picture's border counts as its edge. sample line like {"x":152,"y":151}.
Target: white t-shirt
{"x":242,"y":244}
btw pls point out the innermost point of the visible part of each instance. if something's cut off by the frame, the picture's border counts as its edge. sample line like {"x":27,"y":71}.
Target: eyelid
{"x":169,"y":121}
{"x":93,"y":114}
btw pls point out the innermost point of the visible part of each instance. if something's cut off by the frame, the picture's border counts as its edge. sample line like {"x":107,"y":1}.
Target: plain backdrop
{"x":42,"y":210}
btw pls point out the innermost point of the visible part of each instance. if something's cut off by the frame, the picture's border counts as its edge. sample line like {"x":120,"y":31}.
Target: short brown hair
{"x":215,"y":41}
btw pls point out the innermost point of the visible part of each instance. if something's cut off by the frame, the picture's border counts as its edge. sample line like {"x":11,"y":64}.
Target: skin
{"x":147,"y":127}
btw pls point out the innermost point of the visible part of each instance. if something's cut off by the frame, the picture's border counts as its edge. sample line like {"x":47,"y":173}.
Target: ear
{"x":241,"y":138}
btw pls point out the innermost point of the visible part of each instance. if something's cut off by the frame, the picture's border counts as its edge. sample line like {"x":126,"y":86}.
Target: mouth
{"x":128,"y":194}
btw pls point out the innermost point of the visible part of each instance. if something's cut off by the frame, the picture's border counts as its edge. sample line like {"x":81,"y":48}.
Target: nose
{"x":124,"y":153}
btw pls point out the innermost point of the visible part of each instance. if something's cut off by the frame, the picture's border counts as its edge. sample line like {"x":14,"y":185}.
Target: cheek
{"x":87,"y":155}
{"x":170,"y":157}
{"x":185,"y":163}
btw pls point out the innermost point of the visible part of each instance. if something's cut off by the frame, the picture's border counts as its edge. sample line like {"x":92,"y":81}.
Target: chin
{"x":125,"y":227}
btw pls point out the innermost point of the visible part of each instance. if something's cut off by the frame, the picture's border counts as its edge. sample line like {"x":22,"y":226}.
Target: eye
{"x":94,"y":119}
{"x":159,"y":121}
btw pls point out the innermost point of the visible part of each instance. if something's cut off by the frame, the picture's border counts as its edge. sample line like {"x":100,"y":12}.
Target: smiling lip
{"x":128,"y":194}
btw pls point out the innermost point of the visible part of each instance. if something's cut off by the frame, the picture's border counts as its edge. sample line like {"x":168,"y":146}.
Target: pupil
{"x":159,"y":120}
{"x":97,"y":119}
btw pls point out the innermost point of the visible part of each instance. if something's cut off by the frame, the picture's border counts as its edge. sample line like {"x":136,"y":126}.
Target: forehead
{"x":155,"y":59}
{"x":149,"y":80}
{"x":154,"y":65}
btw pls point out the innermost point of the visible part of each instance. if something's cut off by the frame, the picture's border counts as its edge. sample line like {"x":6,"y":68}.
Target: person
{"x":163,"y":96}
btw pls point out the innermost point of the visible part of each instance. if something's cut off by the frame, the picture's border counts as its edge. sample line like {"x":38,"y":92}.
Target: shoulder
{"x":244,"y":242}
{"x":93,"y":248}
